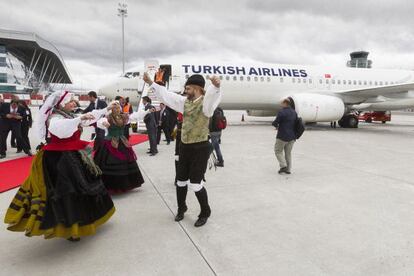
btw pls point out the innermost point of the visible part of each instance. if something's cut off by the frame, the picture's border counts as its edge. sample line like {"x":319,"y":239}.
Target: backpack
{"x":299,"y":127}
{"x":220,"y":120}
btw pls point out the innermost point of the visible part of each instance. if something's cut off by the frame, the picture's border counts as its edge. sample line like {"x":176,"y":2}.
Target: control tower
{"x":359,"y":59}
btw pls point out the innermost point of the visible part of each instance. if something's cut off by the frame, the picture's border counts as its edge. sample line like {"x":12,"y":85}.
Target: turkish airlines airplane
{"x":319,"y":94}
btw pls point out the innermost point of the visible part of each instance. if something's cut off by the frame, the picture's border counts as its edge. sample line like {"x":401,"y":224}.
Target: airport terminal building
{"x":29,"y":64}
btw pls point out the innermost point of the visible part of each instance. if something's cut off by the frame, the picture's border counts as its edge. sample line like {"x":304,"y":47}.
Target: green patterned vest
{"x":195,"y":123}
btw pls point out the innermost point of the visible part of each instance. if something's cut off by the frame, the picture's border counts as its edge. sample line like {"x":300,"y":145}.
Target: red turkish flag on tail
{"x":327,"y":76}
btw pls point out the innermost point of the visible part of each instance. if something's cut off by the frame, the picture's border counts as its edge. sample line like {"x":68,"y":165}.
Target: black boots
{"x":205,"y":208}
{"x":202,"y":200}
{"x":182,"y":207}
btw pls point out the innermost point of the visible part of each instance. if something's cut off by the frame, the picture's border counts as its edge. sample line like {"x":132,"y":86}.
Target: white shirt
{"x":211,"y":100}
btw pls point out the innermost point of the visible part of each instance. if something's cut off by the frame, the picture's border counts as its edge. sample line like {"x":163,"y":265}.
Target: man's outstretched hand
{"x":147,"y":79}
{"x":215,"y":81}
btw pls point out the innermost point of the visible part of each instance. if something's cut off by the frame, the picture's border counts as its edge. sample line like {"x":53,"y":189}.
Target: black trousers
{"x":152,"y":136}
{"x":167,"y":133}
{"x":7,"y":125}
{"x":193,"y":161}
{"x":25,"y":135}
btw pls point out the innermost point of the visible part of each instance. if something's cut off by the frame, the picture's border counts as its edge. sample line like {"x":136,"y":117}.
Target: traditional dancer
{"x":64,"y":195}
{"x":195,"y":150}
{"x":116,"y":157}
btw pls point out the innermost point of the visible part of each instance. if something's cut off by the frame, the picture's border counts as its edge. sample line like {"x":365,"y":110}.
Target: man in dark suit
{"x":95,"y":103}
{"x":164,"y":124}
{"x":11,"y":116}
{"x":151,"y":124}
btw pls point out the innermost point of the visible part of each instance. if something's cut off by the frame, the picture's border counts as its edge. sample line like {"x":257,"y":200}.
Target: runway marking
{"x":179,"y":223}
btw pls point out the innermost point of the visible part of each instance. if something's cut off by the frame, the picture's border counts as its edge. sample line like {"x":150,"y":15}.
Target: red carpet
{"x":14,"y":172}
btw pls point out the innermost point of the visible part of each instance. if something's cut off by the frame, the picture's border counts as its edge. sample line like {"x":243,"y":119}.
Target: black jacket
{"x":101,"y":105}
{"x":5,"y":109}
{"x":285,"y":122}
{"x":149,"y":119}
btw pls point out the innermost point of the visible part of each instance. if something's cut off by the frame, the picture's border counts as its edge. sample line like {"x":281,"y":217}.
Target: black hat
{"x":196,"y":80}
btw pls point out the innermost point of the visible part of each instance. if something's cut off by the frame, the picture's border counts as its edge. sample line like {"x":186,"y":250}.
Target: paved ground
{"x":347,"y":209}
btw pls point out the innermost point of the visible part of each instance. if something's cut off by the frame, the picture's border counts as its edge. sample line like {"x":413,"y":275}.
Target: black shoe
{"x":13,"y":146}
{"x":168,"y":143}
{"x":200,"y":222}
{"x":219,"y":164}
{"x":153,"y":154}
{"x":29,"y":153}
{"x":288,"y":172}
{"x":149,"y":152}
{"x":2,"y":156}
{"x":283,"y":170}
{"x":72,"y":239}
{"x":19,"y":151}
{"x":180,"y":215}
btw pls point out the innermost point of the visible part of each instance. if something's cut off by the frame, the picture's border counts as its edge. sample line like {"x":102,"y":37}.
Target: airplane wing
{"x":377,"y":91}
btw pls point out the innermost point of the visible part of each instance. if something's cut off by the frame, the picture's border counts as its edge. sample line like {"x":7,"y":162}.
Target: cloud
{"x":88,"y":33}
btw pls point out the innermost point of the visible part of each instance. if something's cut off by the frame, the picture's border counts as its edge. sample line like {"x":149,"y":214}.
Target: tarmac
{"x":347,"y":209}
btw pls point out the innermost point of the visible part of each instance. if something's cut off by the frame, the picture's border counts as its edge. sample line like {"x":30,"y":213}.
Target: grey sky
{"x":87,"y":32}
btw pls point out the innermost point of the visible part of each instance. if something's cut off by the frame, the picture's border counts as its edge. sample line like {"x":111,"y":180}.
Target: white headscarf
{"x":56,"y":98}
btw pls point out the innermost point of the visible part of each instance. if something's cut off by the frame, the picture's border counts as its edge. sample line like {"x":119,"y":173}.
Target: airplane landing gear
{"x":349,"y":121}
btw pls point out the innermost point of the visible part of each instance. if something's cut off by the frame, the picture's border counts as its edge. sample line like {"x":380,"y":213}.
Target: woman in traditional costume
{"x":64,"y":195}
{"x":116,"y":158}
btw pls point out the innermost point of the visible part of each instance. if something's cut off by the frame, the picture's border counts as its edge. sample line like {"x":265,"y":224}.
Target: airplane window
{"x":349,"y":82}
{"x":227,"y":78}
{"x":293,"y":80}
{"x":281,"y":79}
{"x":386,"y":83}
{"x":370,"y":82}
{"x":327,"y":81}
{"x":320,"y":81}
{"x":207,"y":77}
{"x":360,"y":82}
{"x":256,"y":78}
{"x":333,"y":81}
{"x":248,"y":78}
{"x":339,"y":81}
{"x":221,"y":77}
{"x":261,"y":78}
{"x":365,"y":82}
{"x":268,"y":79}
{"x":376,"y":83}
{"x":355,"y":82}
{"x":310,"y":80}
{"x":241,"y":78}
{"x":234,"y":78}
{"x":187,"y":76}
{"x":380,"y":82}
{"x":304,"y":80}
{"x":298,"y":80}
{"x":392,"y":82}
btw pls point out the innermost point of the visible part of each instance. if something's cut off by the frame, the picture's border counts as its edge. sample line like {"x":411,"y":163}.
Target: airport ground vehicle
{"x":375,"y":116}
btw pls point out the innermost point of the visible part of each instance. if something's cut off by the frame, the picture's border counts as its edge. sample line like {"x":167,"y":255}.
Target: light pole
{"x":123,"y":12}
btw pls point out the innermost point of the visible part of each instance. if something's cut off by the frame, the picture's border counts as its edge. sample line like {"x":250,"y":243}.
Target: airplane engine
{"x":318,"y":108}
{"x":261,"y":113}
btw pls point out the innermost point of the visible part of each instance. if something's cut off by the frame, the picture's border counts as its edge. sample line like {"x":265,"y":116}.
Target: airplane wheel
{"x":348,"y":121}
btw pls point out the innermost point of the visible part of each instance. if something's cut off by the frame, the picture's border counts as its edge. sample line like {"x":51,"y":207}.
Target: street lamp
{"x":123,"y":12}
